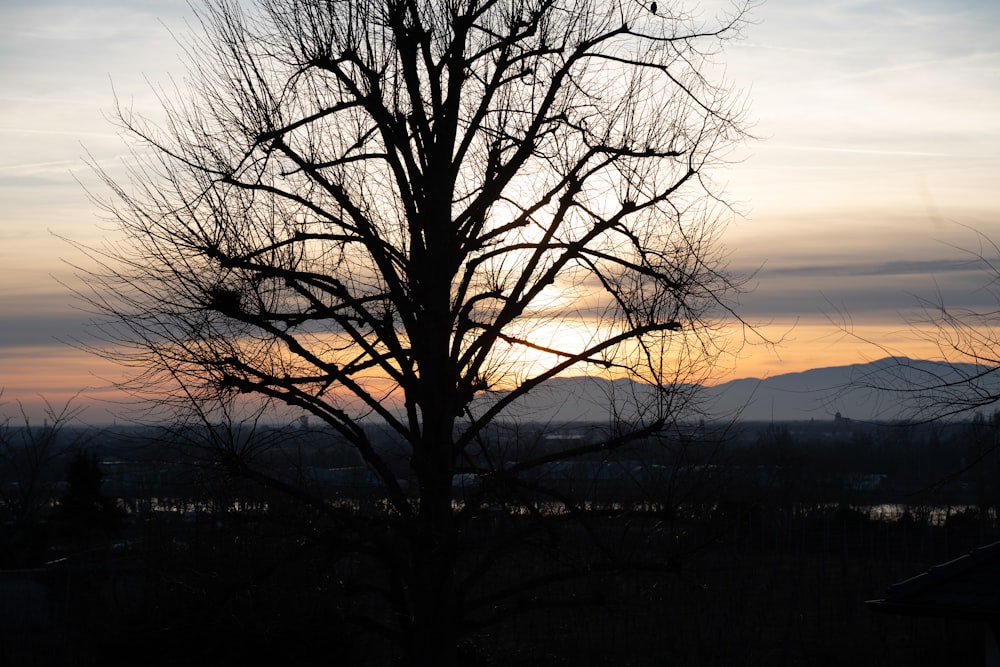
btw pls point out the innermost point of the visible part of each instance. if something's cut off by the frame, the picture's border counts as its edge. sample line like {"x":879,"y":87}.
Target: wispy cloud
{"x":890,"y":268}
{"x":55,"y":132}
{"x":862,"y":151}
{"x":51,"y":330}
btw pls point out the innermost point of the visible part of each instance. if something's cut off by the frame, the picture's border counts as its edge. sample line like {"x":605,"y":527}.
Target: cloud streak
{"x":889,"y":268}
{"x":861,"y":151}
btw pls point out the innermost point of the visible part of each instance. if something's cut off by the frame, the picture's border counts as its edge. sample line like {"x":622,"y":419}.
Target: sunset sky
{"x":876,"y":164}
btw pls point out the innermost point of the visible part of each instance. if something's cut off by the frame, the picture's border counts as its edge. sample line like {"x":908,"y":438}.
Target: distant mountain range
{"x":888,"y":389}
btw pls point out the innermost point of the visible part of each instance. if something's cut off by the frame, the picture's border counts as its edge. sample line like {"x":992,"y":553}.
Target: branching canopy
{"x":382,"y":208}
{"x":352,"y":201}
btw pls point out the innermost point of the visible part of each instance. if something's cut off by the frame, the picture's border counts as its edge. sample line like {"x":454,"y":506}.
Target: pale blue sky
{"x":879,"y":127}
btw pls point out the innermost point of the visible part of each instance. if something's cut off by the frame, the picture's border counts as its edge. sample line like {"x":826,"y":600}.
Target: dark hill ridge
{"x":888,"y":389}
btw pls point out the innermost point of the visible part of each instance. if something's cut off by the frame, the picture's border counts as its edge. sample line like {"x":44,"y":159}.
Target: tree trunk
{"x":435,"y":627}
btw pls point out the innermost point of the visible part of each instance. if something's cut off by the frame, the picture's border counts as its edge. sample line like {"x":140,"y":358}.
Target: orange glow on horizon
{"x":61,"y":374}
{"x":804,"y":346}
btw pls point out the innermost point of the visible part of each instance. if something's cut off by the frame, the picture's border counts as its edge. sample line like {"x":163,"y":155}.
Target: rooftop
{"x":966,"y":587}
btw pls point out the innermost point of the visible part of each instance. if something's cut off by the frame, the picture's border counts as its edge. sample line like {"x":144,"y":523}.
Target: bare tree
{"x":965,"y":378}
{"x":379,"y":209}
{"x":28,"y":477}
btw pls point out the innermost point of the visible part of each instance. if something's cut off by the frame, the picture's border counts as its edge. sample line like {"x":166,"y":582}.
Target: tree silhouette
{"x":966,"y":379}
{"x":384,"y":209}
{"x":83,"y":514}
{"x":30,"y":468}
